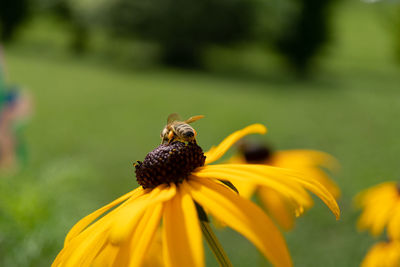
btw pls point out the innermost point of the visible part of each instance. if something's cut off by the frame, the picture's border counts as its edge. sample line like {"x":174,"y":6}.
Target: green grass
{"x":92,"y":120}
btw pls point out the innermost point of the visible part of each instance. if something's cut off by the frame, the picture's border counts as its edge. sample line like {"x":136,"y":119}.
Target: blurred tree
{"x":12,"y":14}
{"x":67,"y":12}
{"x":305,"y":34}
{"x":182,"y":28}
{"x":78,"y":17}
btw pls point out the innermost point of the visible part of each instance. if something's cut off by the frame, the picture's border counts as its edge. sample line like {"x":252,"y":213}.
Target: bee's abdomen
{"x":185,"y":130}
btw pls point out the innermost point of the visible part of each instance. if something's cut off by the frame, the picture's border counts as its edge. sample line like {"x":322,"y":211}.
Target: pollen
{"x":169,"y":164}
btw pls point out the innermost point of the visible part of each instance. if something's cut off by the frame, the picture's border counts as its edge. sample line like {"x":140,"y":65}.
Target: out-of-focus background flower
{"x":104,"y":75}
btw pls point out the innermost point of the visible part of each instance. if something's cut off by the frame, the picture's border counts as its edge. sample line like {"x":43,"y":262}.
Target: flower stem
{"x":214,"y":244}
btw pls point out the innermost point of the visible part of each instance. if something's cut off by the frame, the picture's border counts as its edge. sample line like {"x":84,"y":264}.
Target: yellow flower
{"x":381,"y":208}
{"x":174,"y":179}
{"x":308,"y":162}
{"x":383,"y":254}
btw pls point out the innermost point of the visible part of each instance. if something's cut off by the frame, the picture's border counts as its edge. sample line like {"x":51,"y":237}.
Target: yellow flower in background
{"x":383,"y":254}
{"x":308,"y":162}
{"x":380,"y":208}
{"x":174,"y":179}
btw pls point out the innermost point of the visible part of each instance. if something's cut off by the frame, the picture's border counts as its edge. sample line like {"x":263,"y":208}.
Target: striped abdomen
{"x":184,"y":131}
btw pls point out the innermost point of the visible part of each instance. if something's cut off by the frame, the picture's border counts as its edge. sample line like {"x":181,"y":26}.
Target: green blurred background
{"x":102,"y":96}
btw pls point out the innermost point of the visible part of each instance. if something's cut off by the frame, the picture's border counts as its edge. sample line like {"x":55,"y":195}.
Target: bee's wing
{"x":173,"y":117}
{"x":194,"y":118}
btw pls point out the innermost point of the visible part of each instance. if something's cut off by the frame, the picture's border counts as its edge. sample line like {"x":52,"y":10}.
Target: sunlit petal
{"x":243,"y":216}
{"x":304,"y":157}
{"x":83,"y":223}
{"x":126,"y":218}
{"x":134,"y":250}
{"x":394,"y":223}
{"x":245,"y":189}
{"x":309,"y":163}
{"x":217,"y":152}
{"x":277,"y":207}
{"x":273,"y":178}
{"x":106,"y":257}
{"x":181,"y":231}
{"x":380,"y":209}
{"x":144,"y":234}
{"x":90,"y":240}
{"x":265,"y":175}
{"x":383,"y":254}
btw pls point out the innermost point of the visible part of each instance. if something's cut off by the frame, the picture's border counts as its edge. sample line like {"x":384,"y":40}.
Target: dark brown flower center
{"x":255,"y":152}
{"x":169,"y":164}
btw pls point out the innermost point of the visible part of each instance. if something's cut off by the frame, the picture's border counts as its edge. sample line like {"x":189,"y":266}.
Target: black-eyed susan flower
{"x":380,"y":208}
{"x":175,"y":179}
{"x":383,"y":254}
{"x":308,"y":162}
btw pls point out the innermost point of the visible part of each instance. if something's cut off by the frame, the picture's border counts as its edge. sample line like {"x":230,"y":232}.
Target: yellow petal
{"x":144,"y":235}
{"x":276,"y":178}
{"x":308,"y":162}
{"x":383,"y":254}
{"x":138,"y":231}
{"x":277,"y":207}
{"x":87,"y":243}
{"x":106,"y":257}
{"x":154,"y":256}
{"x":368,"y":196}
{"x":243,"y":216}
{"x":126,"y":219}
{"x":382,"y":216}
{"x":83,"y":223}
{"x":372,"y":259}
{"x":85,"y":246}
{"x":324,"y":179}
{"x":379,"y":203}
{"x":305,"y":158}
{"x":394,"y":223}
{"x":217,"y":152}
{"x":245,"y":189}
{"x":271,"y":177}
{"x":133,"y":251}
{"x":181,"y":231}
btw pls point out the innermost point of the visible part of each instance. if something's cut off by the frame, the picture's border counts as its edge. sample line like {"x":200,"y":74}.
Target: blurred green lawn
{"x":93,"y":120}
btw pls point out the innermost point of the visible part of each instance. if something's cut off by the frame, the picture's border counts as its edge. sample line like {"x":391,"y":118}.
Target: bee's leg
{"x":137,"y":163}
{"x":171,"y":140}
{"x":170,"y":136}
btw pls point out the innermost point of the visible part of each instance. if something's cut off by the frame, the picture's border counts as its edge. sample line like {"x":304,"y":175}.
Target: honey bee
{"x":177,"y":130}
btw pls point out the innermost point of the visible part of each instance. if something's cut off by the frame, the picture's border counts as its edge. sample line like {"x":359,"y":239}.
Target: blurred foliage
{"x":78,"y":28}
{"x":28,"y":201}
{"x":183,"y":28}
{"x":396,"y":32}
{"x":78,"y":17}
{"x":305,"y":34}
{"x":12,"y":14}
{"x":182,"y":33}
